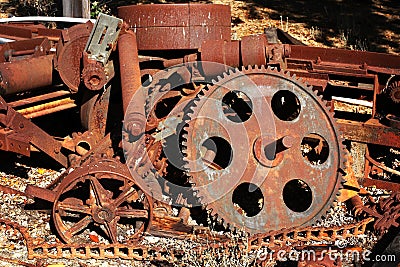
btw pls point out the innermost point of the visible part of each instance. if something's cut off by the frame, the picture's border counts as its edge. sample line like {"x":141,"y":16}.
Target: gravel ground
{"x":37,"y":222}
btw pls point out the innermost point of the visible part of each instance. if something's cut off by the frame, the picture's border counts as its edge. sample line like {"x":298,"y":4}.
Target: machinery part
{"x":33,"y":47}
{"x":277,"y":240}
{"x":386,"y":212}
{"x":220,"y":51}
{"x":394,"y":91}
{"x":102,"y":41}
{"x":94,"y":76}
{"x":103,"y":38}
{"x":299,"y":237}
{"x":251,"y":50}
{"x":256,"y":55}
{"x":104,"y":198}
{"x":69,"y":54}
{"x":240,"y":153}
{"x":11,"y":119}
{"x":133,"y":96}
{"x":17,"y":76}
{"x":177,"y":26}
{"x":94,"y":111}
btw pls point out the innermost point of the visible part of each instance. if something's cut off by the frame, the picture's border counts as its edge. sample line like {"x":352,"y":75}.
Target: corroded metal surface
{"x":103,"y":193}
{"x":289,"y":153}
{"x":177,"y":26}
{"x":18,"y":77}
{"x":261,"y":149}
{"x":69,"y":54}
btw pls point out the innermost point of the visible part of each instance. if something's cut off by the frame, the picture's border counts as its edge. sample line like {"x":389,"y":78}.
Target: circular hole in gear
{"x":146,"y":80}
{"x":285,"y":105}
{"x":82,"y":147}
{"x":216,"y":153}
{"x":248,"y":199}
{"x":314,"y":149}
{"x":237,"y":106}
{"x":297,"y":195}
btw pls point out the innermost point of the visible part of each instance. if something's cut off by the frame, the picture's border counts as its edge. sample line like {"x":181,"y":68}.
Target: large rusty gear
{"x":262,"y":169}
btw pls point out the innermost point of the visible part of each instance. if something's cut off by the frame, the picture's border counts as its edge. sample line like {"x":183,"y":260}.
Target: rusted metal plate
{"x":177,"y":26}
{"x":371,"y":132}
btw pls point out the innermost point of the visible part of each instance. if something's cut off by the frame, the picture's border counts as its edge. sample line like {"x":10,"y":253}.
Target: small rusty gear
{"x":263,"y":151}
{"x":101,"y":200}
{"x":94,"y":76}
{"x":394,"y":91}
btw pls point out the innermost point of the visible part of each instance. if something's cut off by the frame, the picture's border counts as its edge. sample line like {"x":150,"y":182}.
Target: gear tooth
{"x":328,"y":105}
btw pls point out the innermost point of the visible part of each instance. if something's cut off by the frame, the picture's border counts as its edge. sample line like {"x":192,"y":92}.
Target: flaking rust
{"x":177,"y":63}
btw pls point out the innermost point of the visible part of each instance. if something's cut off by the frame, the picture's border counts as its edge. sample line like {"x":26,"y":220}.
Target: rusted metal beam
{"x":350,"y":57}
{"x":131,"y":83}
{"x":371,"y":132}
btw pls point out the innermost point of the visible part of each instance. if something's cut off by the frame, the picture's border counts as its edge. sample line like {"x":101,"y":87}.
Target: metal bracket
{"x":103,"y":38}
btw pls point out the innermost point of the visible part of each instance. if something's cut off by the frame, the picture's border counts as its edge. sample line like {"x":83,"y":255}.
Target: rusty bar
{"x":9,"y":190}
{"x":47,"y":108}
{"x":371,"y":132}
{"x":21,"y":32}
{"x":345,"y":56}
{"x":380,"y":165}
{"x":54,"y":34}
{"x":131,"y":82}
{"x":18,"y":76}
{"x":381,"y":184}
{"x":37,"y":47}
{"x":42,"y":97}
{"x":41,"y":193}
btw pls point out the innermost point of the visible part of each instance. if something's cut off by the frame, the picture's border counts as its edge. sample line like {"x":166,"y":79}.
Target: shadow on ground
{"x":372,"y":25}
